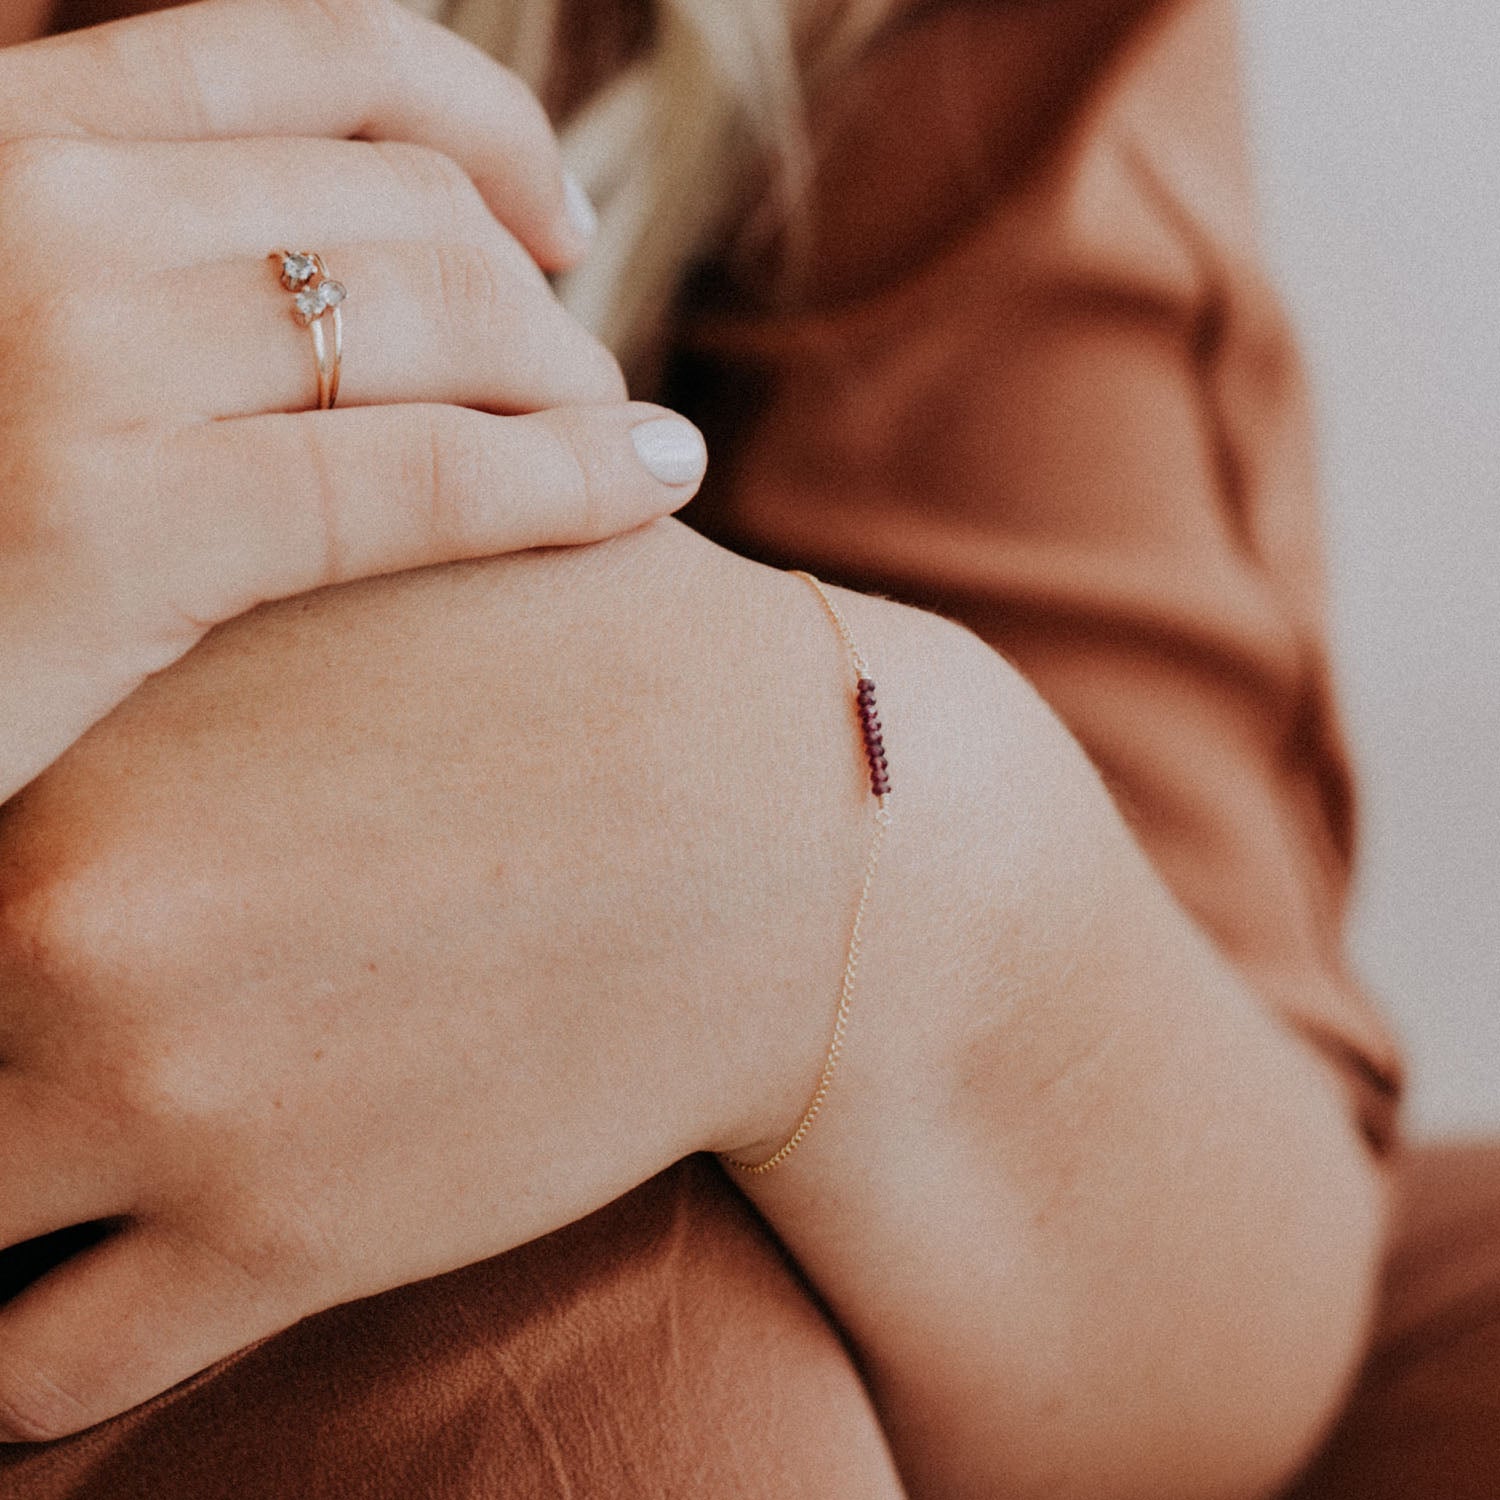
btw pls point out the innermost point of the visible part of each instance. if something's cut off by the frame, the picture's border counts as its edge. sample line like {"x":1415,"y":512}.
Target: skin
{"x":154,"y":488}
{"x":991,"y":1181}
{"x":1093,"y":1143}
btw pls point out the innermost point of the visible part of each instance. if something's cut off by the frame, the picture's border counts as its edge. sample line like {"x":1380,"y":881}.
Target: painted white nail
{"x":581,"y":213}
{"x":672,"y":450}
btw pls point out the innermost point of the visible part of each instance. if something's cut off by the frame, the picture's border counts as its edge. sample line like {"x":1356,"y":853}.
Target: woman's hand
{"x":397,"y":925}
{"x":401,"y":923}
{"x":160,"y":468}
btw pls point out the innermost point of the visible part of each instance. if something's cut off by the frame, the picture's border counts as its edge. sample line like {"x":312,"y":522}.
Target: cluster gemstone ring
{"x":316,"y":299}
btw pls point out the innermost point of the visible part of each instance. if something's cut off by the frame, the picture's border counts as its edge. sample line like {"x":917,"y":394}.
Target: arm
{"x":653,"y":720}
{"x":1039,"y":383}
{"x":53,"y":918}
{"x":1095,"y":1223}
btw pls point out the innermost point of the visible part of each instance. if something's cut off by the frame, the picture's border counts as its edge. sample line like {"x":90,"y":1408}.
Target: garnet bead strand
{"x":869,"y":723}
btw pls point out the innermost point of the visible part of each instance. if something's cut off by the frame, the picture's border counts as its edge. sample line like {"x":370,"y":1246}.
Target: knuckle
{"x":75,"y":930}
{"x":448,"y":470}
{"x":35,"y":1409}
{"x":436,"y":182}
{"x":471,"y":291}
{"x":584,"y":503}
{"x":45,"y":939}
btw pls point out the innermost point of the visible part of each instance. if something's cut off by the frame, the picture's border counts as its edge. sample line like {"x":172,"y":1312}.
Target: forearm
{"x":1096,"y":1224}
{"x":600,"y":809}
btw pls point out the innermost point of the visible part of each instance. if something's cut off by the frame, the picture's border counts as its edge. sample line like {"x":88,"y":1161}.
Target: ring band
{"x":316,"y":299}
{"x":330,"y":361}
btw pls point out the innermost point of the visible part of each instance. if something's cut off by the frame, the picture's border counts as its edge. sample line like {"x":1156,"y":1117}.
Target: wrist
{"x":906,"y":993}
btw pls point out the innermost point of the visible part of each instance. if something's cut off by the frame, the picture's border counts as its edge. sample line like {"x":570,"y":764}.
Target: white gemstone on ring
{"x":314,"y":301}
{"x":297,"y":270}
{"x":315,"y":294}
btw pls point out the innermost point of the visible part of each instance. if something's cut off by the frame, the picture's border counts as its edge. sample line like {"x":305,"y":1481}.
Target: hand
{"x":359,"y":946}
{"x":161,"y":471}
{"x":404,"y":922}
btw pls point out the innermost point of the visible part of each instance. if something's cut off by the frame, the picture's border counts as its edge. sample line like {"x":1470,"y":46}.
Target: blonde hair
{"x":669,"y":146}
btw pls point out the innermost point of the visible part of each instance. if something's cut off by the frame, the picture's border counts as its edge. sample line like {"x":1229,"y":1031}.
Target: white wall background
{"x":1377,"y":129}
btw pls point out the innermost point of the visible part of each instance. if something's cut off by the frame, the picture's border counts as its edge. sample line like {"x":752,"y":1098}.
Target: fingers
{"x":119,"y":1324}
{"x":448,"y":307}
{"x":228,"y":69}
{"x":294,"y":503}
{"x":423,"y":322}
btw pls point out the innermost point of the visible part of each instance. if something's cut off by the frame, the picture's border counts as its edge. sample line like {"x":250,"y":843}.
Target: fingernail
{"x":672,"y":450}
{"x":581,"y":213}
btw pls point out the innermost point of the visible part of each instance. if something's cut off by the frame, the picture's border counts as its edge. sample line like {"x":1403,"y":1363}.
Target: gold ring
{"x":315,"y":302}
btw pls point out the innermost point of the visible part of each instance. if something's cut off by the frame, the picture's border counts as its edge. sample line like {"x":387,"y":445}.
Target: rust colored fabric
{"x":661,"y":1350}
{"x":1039,"y":384}
{"x":1424,"y":1423}
{"x":1036,"y":381}
{"x":661,"y":1347}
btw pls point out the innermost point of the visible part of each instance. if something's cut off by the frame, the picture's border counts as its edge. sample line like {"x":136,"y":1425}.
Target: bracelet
{"x":880,"y":789}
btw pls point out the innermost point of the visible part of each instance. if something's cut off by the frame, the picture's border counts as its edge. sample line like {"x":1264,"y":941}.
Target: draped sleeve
{"x":1037,"y":380}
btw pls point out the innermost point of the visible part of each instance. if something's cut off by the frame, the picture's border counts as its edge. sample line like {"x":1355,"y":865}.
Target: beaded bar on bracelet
{"x":868,"y":713}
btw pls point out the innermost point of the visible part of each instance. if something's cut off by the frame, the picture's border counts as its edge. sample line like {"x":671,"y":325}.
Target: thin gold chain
{"x":856,"y":934}
{"x":856,"y":656}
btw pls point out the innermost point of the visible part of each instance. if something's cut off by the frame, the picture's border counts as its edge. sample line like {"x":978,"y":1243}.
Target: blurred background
{"x":1377,"y":131}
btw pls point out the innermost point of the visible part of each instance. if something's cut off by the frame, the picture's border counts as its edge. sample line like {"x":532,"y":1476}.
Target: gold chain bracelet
{"x":880,"y":788}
